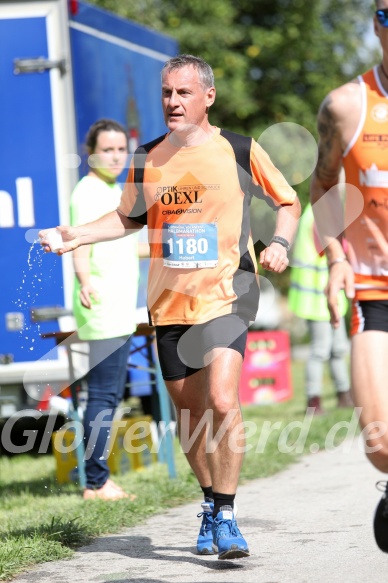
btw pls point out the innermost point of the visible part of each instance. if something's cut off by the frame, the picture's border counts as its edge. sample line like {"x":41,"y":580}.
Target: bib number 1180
{"x":188,"y":246}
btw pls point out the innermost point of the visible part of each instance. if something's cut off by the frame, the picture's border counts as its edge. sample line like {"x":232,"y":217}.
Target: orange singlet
{"x":366,"y":167}
{"x":203,"y":264}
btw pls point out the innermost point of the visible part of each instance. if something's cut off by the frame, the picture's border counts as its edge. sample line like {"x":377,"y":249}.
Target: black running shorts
{"x":181,"y":348}
{"x":369,"y":315}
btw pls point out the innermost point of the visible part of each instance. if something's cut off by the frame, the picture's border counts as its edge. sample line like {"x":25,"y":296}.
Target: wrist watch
{"x":281,"y":241}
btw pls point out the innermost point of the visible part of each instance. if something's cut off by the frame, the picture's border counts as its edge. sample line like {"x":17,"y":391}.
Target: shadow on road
{"x":141,"y":548}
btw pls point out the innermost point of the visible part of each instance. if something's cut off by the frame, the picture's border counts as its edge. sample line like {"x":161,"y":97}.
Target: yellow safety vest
{"x":309,"y":275}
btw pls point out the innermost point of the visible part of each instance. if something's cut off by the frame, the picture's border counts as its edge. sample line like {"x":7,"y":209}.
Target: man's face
{"x":184,"y":99}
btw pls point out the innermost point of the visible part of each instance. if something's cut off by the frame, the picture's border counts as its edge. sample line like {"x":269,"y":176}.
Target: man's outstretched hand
{"x":70,"y":240}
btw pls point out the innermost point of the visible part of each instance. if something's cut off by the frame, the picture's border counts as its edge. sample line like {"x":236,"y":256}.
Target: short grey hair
{"x":205,"y":72}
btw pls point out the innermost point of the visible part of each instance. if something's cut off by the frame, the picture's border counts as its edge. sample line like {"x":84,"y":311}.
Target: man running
{"x":353,"y":129}
{"x":192,"y":188}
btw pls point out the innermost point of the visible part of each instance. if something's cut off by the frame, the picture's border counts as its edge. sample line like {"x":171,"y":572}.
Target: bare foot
{"x":109,"y":491}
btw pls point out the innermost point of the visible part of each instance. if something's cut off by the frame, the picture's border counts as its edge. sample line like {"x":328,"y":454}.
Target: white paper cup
{"x":54,"y":239}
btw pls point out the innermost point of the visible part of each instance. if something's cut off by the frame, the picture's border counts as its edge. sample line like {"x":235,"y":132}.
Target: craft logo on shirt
{"x":379,"y":203}
{"x":380,"y":112}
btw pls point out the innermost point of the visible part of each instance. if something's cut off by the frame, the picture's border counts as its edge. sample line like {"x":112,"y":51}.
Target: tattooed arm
{"x":324,"y":192}
{"x":336,"y":126}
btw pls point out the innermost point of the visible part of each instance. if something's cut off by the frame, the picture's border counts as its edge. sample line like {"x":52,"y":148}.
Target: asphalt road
{"x":312,"y":522}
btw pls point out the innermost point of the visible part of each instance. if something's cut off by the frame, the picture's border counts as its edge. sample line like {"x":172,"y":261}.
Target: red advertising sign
{"x":266,"y":375}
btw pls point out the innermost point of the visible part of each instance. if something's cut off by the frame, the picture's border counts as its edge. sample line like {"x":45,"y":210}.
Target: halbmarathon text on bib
{"x":188,"y":246}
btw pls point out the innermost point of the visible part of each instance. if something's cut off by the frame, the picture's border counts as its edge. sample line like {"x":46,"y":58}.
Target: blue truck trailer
{"x":63,"y":65}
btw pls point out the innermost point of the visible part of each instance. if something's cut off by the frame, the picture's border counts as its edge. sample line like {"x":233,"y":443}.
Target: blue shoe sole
{"x":233,"y":553}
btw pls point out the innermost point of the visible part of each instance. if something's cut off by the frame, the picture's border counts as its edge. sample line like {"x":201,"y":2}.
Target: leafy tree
{"x":273,"y":60}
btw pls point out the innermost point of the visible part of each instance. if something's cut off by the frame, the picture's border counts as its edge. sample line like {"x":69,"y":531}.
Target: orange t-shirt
{"x":366,"y":167}
{"x":202,"y":257}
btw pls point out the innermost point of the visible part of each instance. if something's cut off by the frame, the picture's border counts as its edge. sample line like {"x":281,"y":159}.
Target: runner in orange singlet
{"x":353,"y":129}
{"x":203,"y":288}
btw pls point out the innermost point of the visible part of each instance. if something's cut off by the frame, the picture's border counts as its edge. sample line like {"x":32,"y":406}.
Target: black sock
{"x":221,"y":500}
{"x":208,"y":493}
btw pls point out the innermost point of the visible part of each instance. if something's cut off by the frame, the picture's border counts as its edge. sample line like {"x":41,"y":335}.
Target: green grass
{"x":41,"y":520}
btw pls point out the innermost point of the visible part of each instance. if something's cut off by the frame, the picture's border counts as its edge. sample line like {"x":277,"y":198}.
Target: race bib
{"x":191,"y":246}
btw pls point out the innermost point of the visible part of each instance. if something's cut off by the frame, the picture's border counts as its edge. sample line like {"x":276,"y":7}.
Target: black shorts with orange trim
{"x":369,"y":315}
{"x":182,"y":348}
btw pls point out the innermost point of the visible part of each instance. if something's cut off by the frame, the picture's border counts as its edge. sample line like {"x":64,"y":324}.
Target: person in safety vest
{"x":307,"y":300}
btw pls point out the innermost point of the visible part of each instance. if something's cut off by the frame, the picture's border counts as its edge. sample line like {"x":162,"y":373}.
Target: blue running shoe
{"x":205,"y":537}
{"x":227,"y":539}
